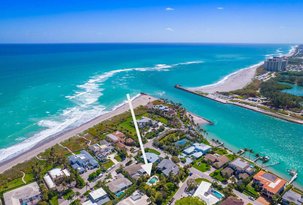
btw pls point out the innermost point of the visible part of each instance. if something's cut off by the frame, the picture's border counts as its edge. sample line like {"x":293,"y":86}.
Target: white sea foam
{"x":86,"y":108}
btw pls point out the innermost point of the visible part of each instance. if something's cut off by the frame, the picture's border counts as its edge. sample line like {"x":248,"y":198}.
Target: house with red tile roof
{"x":270,"y":183}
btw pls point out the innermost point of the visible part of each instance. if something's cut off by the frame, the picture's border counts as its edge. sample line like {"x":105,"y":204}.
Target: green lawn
{"x":68,"y":194}
{"x":190,"y":201}
{"x":152,"y":151}
{"x":231,"y":157}
{"x":118,"y":158}
{"x":157,"y":118}
{"x":201,"y":166}
{"x":54,"y":201}
{"x":250,"y":191}
{"x":199,"y":180}
{"x":220,"y":151}
{"x":29,"y":178}
{"x":11,"y":185}
{"x":108,"y":164}
{"x":127,"y":125}
{"x":217,"y":175}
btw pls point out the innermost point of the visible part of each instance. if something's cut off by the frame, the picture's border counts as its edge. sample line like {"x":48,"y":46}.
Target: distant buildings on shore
{"x":276,"y":64}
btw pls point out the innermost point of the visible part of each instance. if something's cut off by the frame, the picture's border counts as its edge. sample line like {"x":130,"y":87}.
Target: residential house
{"x":240,"y":165}
{"x":232,"y":201}
{"x":243,"y":176}
{"x":98,"y":196}
{"x":130,"y":142}
{"x":197,"y":155}
{"x":55,"y":176}
{"x":102,"y":150}
{"x":137,"y":198}
{"x":26,"y":195}
{"x":151,"y":157}
{"x":167,"y":166}
{"x":190,"y":150}
{"x":216,"y":161}
{"x":112,"y":138}
{"x":162,"y":108}
{"x":292,"y":197}
{"x":119,"y":184}
{"x":135,"y":170}
{"x":145,"y":121}
{"x":227,"y":172}
{"x":269,"y":183}
{"x":200,"y":147}
{"x":206,"y":193}
{"x":83,"y":161}
{"x":197,"y":150}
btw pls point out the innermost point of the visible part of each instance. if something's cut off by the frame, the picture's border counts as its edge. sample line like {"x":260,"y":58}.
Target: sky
{"x":205,"y":21}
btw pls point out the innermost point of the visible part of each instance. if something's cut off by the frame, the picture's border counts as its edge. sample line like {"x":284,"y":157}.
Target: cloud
{"x":169,"y":9}
{"x":220,"y":8}
{"x":169,"y":29}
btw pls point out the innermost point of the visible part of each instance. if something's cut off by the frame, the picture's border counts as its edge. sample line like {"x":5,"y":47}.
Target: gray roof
{"x":25,"y":193}
{"x":112,"y":137}
{"x":134,"y":170}
{"x":119,"y":184}
{"x":84,"y":159}
{"x":291,"y":196}
{"x":239,"y":164}
{"x":167,"y":166}
{"x":151,"y":157}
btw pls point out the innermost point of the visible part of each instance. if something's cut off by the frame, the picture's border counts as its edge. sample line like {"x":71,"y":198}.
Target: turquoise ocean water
{"x":46,"y":89}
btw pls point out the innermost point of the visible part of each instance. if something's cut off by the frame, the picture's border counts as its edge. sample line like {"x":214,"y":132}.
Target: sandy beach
{"x":142,"y":99}
{"x":234,"y":81}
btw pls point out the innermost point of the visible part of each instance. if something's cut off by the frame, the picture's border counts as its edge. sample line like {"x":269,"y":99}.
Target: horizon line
{"x":147,"y":42}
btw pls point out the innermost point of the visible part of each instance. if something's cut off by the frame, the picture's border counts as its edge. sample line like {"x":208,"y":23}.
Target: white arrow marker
{"x":147,"y":166}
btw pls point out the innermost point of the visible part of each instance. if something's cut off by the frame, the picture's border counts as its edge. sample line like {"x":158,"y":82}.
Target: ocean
{"x":46,"y":89}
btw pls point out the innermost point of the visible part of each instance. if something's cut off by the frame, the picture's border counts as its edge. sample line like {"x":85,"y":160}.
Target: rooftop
{"x":232,"y":201}
{"x":97,"y":194}
{"x":269,"y":181}
{"x":134,"y":170}
{"x":119,"y":184}
{"x":25,"y":192}
{"x":167,"y":166}
{"x":294,"y":197}
{"x":203,"y":193}
{"x":202,"y":147}
{"x":137,"y":198}
{"x":240,"y":163}
{"x":151,"y":157}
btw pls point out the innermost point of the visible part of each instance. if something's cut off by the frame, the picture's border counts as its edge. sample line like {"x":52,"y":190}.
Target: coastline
{"x":141,"y":99}
{"x":233,"y":81}
{"x":236,"y":80}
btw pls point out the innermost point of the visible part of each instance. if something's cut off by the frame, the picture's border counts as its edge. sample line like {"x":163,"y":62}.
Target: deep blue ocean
{"x":46,"y":89}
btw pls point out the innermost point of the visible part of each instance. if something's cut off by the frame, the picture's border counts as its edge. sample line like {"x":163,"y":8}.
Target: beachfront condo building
{"x":276,"y":64}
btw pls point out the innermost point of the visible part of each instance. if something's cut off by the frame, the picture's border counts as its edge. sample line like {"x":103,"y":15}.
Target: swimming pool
{"x":120,"y":193}
{"x":217,"y":194}
{"x":181,"y":142}
{"x":152,"y":181}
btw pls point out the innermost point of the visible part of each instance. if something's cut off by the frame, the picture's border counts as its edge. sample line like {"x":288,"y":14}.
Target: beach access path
{"x":142,"y":99}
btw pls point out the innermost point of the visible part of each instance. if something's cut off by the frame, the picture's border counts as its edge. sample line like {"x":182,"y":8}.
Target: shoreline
{"x":238,"y":79}
{"x":233,"y":81}
{"x":141,"y":99}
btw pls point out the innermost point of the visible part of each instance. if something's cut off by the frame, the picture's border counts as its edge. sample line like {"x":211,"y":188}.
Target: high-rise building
{"x":276,"y":64}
